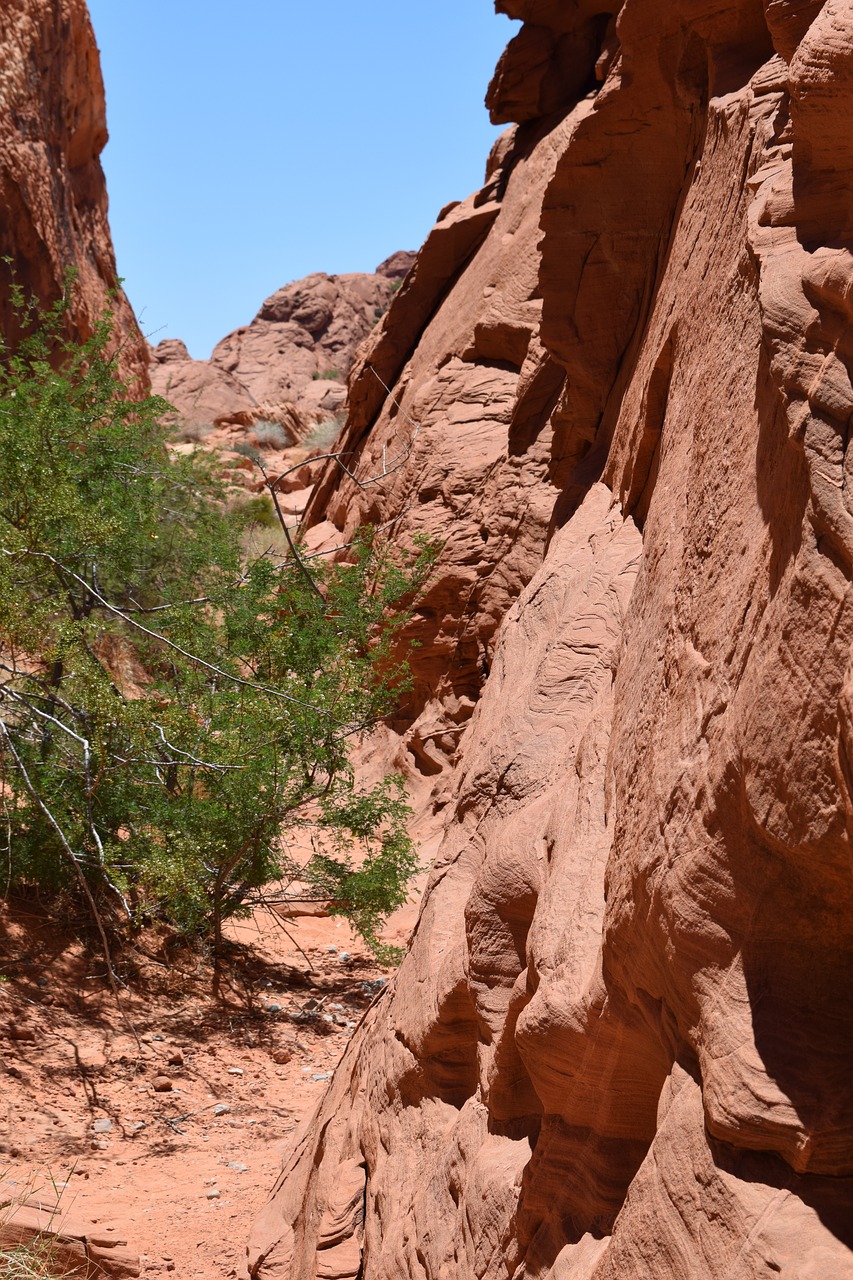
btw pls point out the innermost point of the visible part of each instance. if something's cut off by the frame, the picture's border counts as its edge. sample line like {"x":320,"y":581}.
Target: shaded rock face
{"x":620,"y":1043}
{"x":53,"y":199}
{"x":290,"y":364}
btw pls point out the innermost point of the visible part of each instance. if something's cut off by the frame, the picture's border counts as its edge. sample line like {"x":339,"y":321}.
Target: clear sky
{"x":254,"y":142}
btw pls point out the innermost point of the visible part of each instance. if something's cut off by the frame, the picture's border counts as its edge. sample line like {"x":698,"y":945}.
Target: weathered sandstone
{"x":620,"y":390}
{"x":290,"y":364}
{"x":53,"y":199}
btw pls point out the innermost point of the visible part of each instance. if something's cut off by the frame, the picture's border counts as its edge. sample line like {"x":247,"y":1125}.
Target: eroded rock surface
{"x":53,"y":198}
{"x":290,"y":364}
{"x":620,"y":1044}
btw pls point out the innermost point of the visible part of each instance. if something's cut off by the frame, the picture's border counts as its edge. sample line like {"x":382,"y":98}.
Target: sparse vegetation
{"x":246,"y":450}
{"x":258,"y":511}
{"x":271,"y":435}
{"x":194,"y":432}
{"x":169,"y":708}
{"x":325,"y":433}
{"x":327,"y":375}
{"x":40,"y":1258}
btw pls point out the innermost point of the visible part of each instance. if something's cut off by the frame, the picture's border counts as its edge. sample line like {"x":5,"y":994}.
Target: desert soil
{"x":179,"y":1173}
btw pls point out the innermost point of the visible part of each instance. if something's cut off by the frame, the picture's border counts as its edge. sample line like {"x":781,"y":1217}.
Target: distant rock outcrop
{"x":290,"y":364}
{"x":53,"y":198}
{"x":620,"y":393}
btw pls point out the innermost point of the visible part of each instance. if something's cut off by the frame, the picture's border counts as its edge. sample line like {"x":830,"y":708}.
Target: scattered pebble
{"x":332,"y":951}
{"x":213,"y":1194}
{"x":237,"y":1166}
{"x":161,"y":1084}
{"x":344,"y":957}
{"x":235,"y":1071}
{"x":103,"y":1125}
{"x":221,"y":1109}
{"x":321,"y":1075}
{"x":175,"y":1058}
{"x":272,"y":1007}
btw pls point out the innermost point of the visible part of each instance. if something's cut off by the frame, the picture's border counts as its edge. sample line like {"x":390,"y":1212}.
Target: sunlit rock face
{"x":289,"y":365}
{"x":620,"y":1044}
{"x":53,"y":198}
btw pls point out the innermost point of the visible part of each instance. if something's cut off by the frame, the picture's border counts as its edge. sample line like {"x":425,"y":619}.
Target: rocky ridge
{"x":53,"y":198}
{"x":288,"y":366}
{"x":617,"y":383}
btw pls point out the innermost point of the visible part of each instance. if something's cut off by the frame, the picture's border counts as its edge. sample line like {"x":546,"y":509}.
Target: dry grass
{"x":41,"y":1258}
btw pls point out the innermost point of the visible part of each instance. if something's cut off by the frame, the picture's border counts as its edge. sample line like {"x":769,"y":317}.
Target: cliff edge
{"x":53,"y":197}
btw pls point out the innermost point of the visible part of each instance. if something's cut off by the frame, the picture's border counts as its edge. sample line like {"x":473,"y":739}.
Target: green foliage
{"x":257,"y":511}
{"x":327,"y":375}
{"x":170,"y":709}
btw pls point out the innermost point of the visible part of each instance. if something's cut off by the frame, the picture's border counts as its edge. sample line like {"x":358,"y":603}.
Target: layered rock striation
{"x":53,"y":198}
{"x":617,"y":381}
{"x":290,"y":364}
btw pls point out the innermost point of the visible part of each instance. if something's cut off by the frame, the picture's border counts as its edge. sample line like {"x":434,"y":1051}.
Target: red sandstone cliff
{"x":620,"y":1045}
{"x":53,"y":198}
{"x":290,"y":364}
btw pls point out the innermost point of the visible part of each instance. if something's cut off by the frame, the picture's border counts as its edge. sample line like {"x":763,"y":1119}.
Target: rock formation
{"x":290,"y":364}
{"x":617,"y":382}
{"x":53,"y":199}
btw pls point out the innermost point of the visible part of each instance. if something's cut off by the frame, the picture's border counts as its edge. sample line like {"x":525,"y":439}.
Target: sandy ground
{"x":166,"y":1125}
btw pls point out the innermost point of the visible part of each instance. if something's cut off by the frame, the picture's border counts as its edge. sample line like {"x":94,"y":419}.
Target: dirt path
{"x":172,"y":1142}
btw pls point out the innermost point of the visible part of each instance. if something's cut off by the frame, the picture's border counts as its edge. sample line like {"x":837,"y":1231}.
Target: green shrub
{"x":327,"y":375}
{"x":168,"y":707}
{"x":246,"y":450}
{"x":258,"y":511}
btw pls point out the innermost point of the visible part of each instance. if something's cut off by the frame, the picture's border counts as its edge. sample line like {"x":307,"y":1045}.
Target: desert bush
{"x":172,"y":793}
{"x":246,"y":450}
{"x":258,"y":511}
{"x":194,"y":432}
{"x":325,"y":433}
{"x":327,"y":375}
{"x":271,"y":435}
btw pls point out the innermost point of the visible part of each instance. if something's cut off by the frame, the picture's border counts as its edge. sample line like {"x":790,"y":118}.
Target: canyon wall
{"x":617,"y":383}
{"x":53,"y":198}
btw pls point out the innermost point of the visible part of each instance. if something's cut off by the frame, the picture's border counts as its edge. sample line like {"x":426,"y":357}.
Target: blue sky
{"x":253,"y":143}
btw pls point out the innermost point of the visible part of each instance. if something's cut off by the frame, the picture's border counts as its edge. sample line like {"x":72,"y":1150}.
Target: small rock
{"x":272,"y":1007}
{"x":213,"y":1194}
{"x":136,"y":1126}
{"x":321,"y":1075}
{"x":332,"y":951}
{"x":221,"y":1109}
{"x":103,"y":1125}
{"x":344,"y":957}
{"x":161,"y":1084}
{"x":282,"y":1056}
{"x":17,"y":1031}
{"x":235,"y":1071}
{"x":236,"y":1166}
{"x":99,"y":1145}
{"x":175,"y":1058}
